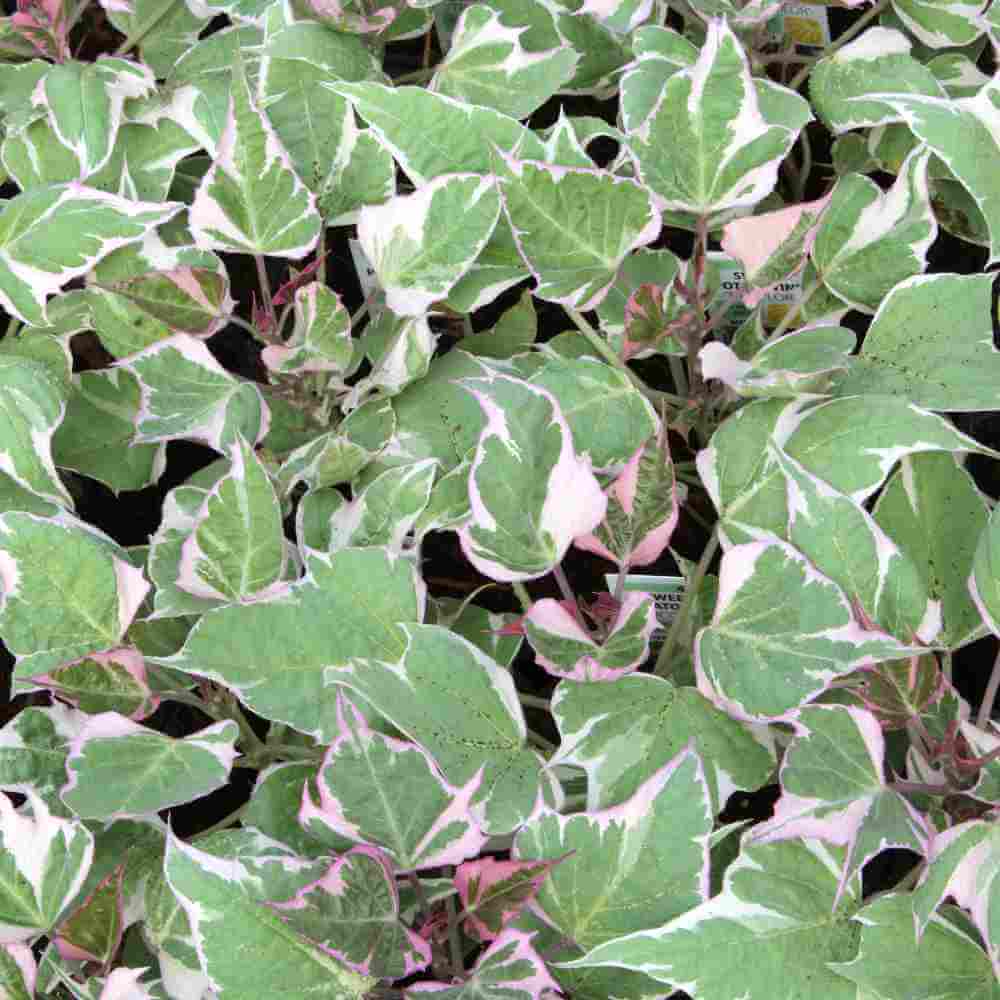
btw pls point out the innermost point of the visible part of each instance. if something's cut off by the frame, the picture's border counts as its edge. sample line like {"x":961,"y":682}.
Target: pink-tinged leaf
{"x":962,"y":863}
{"x":52,"y":858}
{"x":530,"y":494}
{"x":494,"y":892}
{"x":377,"y":790}
{"x":352,"y":913}
{"x":352,"y":17}
{"x":859,"y":810}
{"x":24,"y":959}
{"x":642,"y":511}
{"x":45,"y":24}
{"x":93,"y":931}
{"x":297,"y":280}
{"x":124,"y":984}
{"x":510,"y":969}
{"x":774,"y":245}
{"x":565,"y":649}
{"x":115,"y":680}
{"x":605,"y":887}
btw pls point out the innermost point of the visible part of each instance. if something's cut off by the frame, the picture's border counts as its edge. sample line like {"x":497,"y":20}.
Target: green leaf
{"x":53,"y":234}
{"x":352,"y":913}
{"x":631,"y":866}
{"x":33,"y":749}
{"x":95,"y":437}
{"x":385,"y":511}
{"x":406,"y":118}
{"x":932,"y":510}
{"x":767,"y":936}
{"x":842,"y":540}
{"x":43,"y":862}
{"x":422,"y":243}
{"x":781,"y":633}
{"x":488,"y":65}
{"x":461,"y":707}
{"x":321,"y":337}
{"x":622,"y":733}
{"x":530,"y":493}
{"x":510,"y":969}
{"x":574,"y":227}
{"x":236,"y":551}
{"x":33,"y":405}
{"x":272,"y":655}
{"x":374,"y":789}
{"x":274,"y":807}
{"x":833,"y":786}
{"x":946,"y":963}
{"x":186,"y":393}
{"x":911,"y":352}
{"x":251,"y":200}
{"x":119,"y":769}
{"x":869,"y":241}
{"x":878,"y":62}
{"x":84,"y":103}
{"x":963,"y":135}
{"x":66,"y":592}
{"x":707,"y":146}
{"x":565,"y":649}
{"x":851,"y":443}
{"x":220,"y":895}
{"x":607,"y":415}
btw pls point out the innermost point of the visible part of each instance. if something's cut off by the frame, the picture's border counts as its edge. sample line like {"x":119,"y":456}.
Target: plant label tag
{"x":777,"y":301}
{"x":806,"y":25}
{"x":667,"y":591}
{"x":366,"y":273}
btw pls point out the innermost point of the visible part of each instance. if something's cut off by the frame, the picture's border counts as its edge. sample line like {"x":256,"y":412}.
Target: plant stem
{"x":223,"y":823}
{"x":677,"y":374}
{"x":946,"y":665}
{"x":265,"y":289}
{"x":853,"y":31}
{"x":539,"y":741}
{"x":144,"y":29}
{"x":793,"y":312}
{"x":454,"y":944}
{"x":687,"y":603}
{"x":533,"y":701}
{"x":417,"y":76}
{"x":986,"y":708}
{"x":523,"y":596}
{"x":600,"y":345}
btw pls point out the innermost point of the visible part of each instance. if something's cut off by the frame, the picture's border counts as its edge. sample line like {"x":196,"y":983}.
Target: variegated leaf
{"x":374,"y":789}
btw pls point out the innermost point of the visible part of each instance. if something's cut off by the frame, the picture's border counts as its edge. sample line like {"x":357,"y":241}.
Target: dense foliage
{"x":708,"y":301}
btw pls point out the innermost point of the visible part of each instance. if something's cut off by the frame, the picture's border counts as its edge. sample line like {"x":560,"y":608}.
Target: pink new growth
{"x":755,"y":239}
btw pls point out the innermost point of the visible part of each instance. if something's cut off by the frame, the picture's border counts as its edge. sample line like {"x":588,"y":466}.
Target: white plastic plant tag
{"x":776,"y":302}
{"x":667,"y":591}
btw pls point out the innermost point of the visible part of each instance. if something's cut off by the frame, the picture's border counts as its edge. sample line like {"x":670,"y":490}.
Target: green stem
{"x":186,"y":698}
{"x":793,"y":312}
{"x":226,"y":821}
{"x":539,"y":741}
{"x":265,"y":290}
{"x":13,"y":327}
{"x":601,"y":346}
{"x":677,"y":373}
{"x":533,"y":701}
{"x":691,"y":588}
{"x":144,"y":29}
{"x":523,"y":596}
{"x":852,"y":32}
{"x":986,"y":708}
{"x":454,"y":944}
{"x":417,"y":76}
